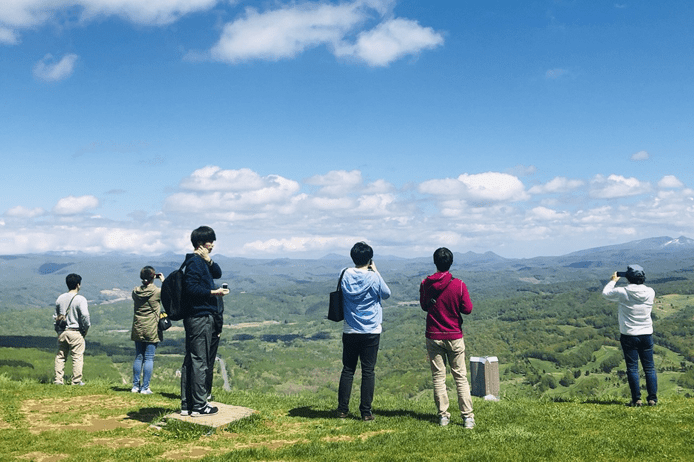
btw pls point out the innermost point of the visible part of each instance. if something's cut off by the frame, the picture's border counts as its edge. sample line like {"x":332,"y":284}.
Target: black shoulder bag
{"x":335,"y":310}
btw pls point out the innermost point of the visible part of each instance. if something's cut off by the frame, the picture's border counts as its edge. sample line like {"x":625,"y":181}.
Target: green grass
{"x":103,"y":421}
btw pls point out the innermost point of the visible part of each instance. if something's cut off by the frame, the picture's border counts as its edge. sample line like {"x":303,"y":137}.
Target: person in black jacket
{"x":200,"y":294}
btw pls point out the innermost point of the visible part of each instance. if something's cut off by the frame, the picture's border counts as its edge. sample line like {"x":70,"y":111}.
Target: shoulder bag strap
{"x":339,"y":281}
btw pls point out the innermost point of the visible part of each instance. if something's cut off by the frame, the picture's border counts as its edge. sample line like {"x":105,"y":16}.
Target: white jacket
{"x":635,"y":305}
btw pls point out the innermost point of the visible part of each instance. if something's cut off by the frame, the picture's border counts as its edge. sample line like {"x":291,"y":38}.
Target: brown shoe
{"x":367,"y":418}
{"x":652,"y":402}
{"x":341,"y":415}
{"x":637,"y":403}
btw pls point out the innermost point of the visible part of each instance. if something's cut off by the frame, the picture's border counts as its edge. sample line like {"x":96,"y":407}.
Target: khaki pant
{"x":72,"y":342}
{"x":454,"y":350}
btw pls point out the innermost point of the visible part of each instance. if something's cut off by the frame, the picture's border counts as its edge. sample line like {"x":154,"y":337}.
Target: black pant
{"x":194,"y":370}
{"x":364,"y":348}
{"x":216,"y":334}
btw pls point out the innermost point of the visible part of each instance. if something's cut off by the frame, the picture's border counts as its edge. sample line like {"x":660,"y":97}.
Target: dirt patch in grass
{"x":88,"y":413}
{"x":117,"y":443}
{"x":41,"y":457}
{"x":193,"y":452}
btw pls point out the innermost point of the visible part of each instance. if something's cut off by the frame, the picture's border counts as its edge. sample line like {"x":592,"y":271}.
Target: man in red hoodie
{"x":446,"y":299}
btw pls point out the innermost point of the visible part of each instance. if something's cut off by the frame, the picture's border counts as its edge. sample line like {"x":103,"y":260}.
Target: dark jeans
{"x":364,"y":348}
{"x":214,"y":345}
{"x":637,"y":347}
{"x":199,"y":333}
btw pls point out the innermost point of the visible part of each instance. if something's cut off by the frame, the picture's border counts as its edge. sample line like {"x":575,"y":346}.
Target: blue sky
{"x":295,"y":129}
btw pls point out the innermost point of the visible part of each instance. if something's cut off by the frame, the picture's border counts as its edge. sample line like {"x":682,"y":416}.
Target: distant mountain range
{"x":36,"y":279}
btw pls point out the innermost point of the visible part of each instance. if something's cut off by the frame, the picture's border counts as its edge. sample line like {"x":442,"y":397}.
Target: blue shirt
{"x":362,"y":292}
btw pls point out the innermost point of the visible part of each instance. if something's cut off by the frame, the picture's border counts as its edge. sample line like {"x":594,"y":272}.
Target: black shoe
{"x":207,"y":410}
{"x":367,"y":417}
{"x":637,"y":403}
{"x":341,"y":415}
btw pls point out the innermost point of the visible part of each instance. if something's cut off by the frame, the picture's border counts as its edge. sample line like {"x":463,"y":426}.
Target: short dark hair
{"x":636,"y":279}
{"x":73,"y":280}
{"x":361,"y":253}
{"x":147,"y":273}
{"x":443,"y":259}
{"x":202,"y":235}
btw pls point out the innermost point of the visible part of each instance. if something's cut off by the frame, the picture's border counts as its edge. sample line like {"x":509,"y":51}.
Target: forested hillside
{"x":552,"y":339}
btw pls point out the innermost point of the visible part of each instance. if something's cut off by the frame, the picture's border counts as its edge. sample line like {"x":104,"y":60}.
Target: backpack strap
{"x":432,"y":301}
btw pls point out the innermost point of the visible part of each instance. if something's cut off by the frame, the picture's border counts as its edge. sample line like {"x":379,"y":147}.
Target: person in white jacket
{"x":636,"y":327}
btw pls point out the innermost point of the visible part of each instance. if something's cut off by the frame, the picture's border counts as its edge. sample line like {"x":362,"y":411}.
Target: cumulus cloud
{"x":337,"y":182}
{"x":478,"y":188}
{"x":50,"y":70}
{"x":285,"y":32}
{"x":559,"y":184}
{"x":24,"y":212}
{"x":615,"y":186}
{"x":390,"y":41}
{"x":670,"y":182}
{"x":270,"y":215}
{"x":72,"y":205}
{"x":546,"y":214}
{"x":641,"y":155}
{"x":213,"y":190}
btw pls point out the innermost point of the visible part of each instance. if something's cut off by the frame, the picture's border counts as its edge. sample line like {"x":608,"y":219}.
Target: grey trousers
{"x":199,"y":333}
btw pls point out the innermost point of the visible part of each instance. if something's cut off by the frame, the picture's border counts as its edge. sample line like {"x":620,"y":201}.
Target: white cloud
{"x":72,"y":205}
{"x":51,"y":71}
{"x":296,"y":244}
{"x":285,"y":32}
{"x":255,"y":215}
{"x":213,"y":190}
{"x":641,"y":155}
{"x":29,"y":13}
{"x":615,"y":186}
{"x":559,"y":184}
{"x":8,"y":36}
{"x":337,"y":182}
{"x":213,"y":178}
{"x":670,"y":182}
{"x":546,"y":214}
{"x":23,"y":212}
{"x":478,"y":188}
{"x":390,"y":41}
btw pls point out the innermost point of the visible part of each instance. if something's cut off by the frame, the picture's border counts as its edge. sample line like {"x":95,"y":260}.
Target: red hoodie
{"x":444,"y":318}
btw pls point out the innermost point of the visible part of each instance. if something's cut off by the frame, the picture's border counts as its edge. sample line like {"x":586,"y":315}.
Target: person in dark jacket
{"x":446,"y":299}
{"x":145,"y":331}
{"x":200,"y":295}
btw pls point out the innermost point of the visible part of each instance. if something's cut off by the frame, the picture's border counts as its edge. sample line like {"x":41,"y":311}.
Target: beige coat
{"x":146,"y":317}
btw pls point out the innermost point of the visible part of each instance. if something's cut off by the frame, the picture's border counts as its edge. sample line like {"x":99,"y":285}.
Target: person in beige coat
{"x":145,"y":332}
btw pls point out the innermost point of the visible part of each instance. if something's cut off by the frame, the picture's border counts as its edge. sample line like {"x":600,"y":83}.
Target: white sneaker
{"x":135,"y":390}
{"x":184,"y":412}
{"x":469,"y":422}
{"x":145,"y":391}
{"x":444,"y":420}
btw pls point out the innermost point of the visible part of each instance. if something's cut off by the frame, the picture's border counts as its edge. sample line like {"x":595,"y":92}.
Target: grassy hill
{"x":103,"y":421}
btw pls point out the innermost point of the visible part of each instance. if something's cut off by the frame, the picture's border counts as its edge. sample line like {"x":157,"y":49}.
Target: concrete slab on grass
{"x":226,"y":415}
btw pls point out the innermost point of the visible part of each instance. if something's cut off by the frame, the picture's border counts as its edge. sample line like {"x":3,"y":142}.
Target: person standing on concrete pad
{"x":200,"y":295}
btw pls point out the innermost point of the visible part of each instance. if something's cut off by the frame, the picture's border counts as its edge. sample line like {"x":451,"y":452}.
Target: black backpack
{"x":172,"y":298}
